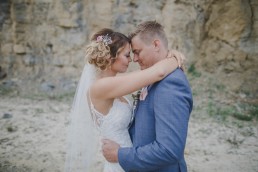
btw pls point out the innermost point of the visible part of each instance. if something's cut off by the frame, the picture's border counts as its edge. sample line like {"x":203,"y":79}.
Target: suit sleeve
{"x":172,"y":107}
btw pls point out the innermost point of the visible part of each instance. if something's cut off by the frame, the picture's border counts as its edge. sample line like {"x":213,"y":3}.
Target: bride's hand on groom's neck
{"x":179,"y":57}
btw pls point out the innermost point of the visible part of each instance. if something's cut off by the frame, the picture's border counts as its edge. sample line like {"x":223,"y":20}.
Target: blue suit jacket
{"x":160,"y":128}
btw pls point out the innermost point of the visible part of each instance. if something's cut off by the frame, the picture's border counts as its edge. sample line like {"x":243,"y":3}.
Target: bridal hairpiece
{"x":105,"y":39}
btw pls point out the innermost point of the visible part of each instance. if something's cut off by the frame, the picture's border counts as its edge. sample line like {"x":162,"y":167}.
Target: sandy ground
{"x":32,"y":138}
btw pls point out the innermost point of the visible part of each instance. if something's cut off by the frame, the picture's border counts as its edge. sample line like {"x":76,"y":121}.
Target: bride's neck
{"x":107,"y":73}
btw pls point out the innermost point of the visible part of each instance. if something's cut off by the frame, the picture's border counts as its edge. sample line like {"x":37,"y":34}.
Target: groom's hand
{"x":110,"y":150}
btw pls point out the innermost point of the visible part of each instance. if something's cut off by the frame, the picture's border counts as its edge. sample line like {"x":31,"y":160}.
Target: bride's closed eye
{"x":127,"y":55}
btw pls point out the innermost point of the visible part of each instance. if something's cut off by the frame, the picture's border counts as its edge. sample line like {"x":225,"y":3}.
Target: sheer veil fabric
{"x":83,"y":152}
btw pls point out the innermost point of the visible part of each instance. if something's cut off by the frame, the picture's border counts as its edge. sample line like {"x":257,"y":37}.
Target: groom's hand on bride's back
{"x":110,"y":150}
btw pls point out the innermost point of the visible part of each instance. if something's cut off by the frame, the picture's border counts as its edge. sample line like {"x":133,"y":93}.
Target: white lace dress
{"x":114,"y":126}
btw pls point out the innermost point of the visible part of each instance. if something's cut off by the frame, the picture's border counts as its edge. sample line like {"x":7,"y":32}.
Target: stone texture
{"x":39,"y":36}
{"x":19,"y":49}
{"x":6,"y":48}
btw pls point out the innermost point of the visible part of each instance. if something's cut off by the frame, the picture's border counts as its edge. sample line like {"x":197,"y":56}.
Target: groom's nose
{"x":135,"y":58}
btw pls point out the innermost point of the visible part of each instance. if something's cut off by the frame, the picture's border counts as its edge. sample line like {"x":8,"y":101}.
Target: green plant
{"x":220,"y":87}
{"x":5,"y":91}
{"x":211,"y":108}
{"x":62,"y":96}
{"x":53,"y":96}
{"x":254,"y":111}
{"x":246,"y":112}
{"x":11,"y":128}
{"x":243,"y":117}
{"x":38,"y":110}
{"x":191,"y":70}
{"x":235,"y":141}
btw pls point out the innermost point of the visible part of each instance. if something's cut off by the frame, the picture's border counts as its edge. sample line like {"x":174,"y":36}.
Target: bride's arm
{"x":112,"y":87}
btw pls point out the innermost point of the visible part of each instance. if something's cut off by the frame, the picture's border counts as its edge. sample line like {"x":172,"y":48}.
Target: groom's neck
{"x":162,"y":54}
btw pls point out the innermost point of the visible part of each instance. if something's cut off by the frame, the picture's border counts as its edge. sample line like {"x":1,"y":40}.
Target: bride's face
{"x":122,"y":61}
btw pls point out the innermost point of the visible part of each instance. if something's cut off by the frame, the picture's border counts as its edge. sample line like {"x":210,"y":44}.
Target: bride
{"x":100,"y":109}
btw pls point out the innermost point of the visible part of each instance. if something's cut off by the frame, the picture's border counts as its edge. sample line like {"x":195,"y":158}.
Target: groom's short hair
{"x":148,"y":30}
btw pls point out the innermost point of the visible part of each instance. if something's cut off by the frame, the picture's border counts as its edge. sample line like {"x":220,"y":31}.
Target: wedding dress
{"x":87,"y":127}
{"x":114,"y":126}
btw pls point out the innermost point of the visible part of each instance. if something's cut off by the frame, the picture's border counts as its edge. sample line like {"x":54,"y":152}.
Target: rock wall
{"x":43,"y":40}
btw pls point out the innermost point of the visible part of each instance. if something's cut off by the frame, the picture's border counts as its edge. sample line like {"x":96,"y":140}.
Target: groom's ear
{"x":156,"y":44}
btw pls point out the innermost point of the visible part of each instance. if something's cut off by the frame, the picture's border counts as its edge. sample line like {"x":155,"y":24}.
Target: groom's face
{"x":143,"y":52}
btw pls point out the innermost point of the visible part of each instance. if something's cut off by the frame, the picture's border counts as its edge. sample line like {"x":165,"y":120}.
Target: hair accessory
{"x":105,"y":39}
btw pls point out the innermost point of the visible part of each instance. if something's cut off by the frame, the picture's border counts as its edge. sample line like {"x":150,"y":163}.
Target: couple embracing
{"x":147,"y":136}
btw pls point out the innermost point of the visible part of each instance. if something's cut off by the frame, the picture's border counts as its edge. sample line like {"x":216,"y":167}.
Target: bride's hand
{"x":179,"y":57}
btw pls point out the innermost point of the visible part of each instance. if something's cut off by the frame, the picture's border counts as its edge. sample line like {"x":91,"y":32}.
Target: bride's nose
{"x":130,"y":59}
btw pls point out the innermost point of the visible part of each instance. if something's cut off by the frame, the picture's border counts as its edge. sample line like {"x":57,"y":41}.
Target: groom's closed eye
{"x":136,"y":52}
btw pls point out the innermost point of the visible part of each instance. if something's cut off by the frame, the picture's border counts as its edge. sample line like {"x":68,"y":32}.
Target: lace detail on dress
{"x":97,"y":117}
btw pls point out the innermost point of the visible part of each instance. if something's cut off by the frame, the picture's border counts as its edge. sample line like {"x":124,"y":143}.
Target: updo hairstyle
{"x":103,"y":54}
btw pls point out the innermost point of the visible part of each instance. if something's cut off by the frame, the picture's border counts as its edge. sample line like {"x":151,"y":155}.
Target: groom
{"x":159,"y":130}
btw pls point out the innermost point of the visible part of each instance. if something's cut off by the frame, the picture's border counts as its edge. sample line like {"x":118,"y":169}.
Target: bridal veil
{"x":83,"y":152}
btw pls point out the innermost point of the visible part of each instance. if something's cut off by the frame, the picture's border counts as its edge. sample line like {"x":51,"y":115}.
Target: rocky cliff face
{"x":44,"y":40}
